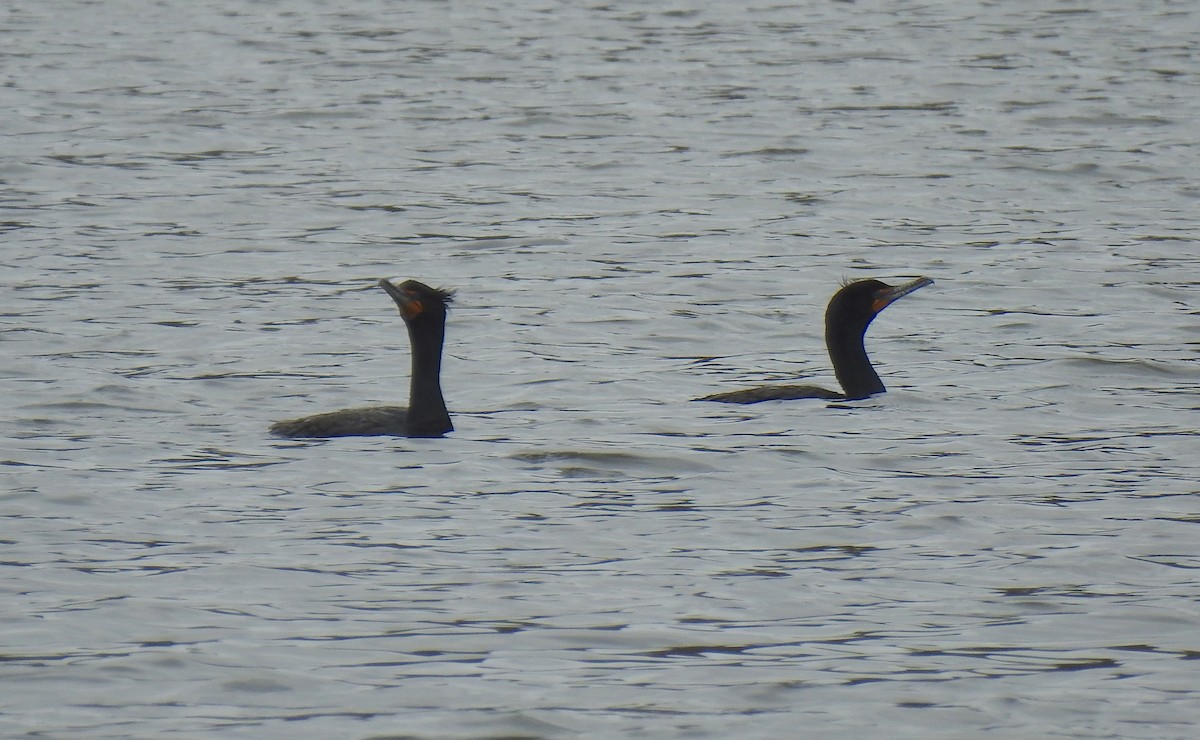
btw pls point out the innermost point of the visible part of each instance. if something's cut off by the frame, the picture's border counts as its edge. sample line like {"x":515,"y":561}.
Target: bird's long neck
{"x":427,"y":414}
{"x":850,"y":362}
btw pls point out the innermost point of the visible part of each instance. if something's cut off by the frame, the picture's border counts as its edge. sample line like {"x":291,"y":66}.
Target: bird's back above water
{"x":367,"y":421}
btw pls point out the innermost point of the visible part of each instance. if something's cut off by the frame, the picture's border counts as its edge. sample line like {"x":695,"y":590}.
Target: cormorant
{"x":850,"y":312}
{"x":424,"y":312}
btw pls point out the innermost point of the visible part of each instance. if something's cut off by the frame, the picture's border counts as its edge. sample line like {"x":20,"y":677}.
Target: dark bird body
{"x":424,"y":312}
{"x":850,"y":312}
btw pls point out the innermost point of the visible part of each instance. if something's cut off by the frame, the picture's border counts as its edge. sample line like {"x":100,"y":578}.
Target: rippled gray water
{"x":639,"y":204}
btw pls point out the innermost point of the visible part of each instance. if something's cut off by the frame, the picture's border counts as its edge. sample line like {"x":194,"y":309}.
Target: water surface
{"x":638,"y":206}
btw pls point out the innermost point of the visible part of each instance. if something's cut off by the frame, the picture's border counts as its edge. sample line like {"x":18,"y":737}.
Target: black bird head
{"x":857,"y":304}
{"x":419,"y":304}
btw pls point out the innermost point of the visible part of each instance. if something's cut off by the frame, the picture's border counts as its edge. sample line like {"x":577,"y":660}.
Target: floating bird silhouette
{"x":424,"y":311}
{"x":850,"y":312}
